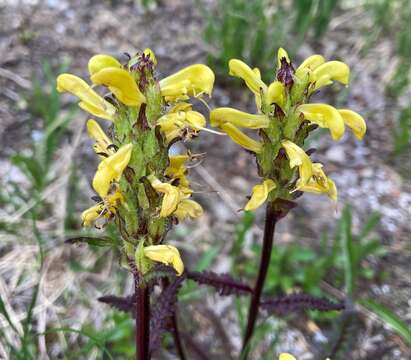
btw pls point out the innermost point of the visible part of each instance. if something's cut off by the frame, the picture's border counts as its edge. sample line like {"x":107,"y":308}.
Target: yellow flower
{"x":282,"y":54}
{"x":260,"y":194}
{"x":121,"y":83}
{"x":106,"y":208}
{"x":180,"y":119}
{"x":298,"y":157}
{"x":165,"y":254}
{"x":320,"y":183}
{"x":188,"y":208}
{"x":90,"y":100}
{"x":354,"y":121}
{"x":238,"y":118}
{"x":171,"y":195}
{"x":150,"y":53}
{"x":240,"y":138}
{"x":177,"y":171}
{"x":274,"y":93}
{"x":103,"y":143}
{"x":100,"y":61}
{"x":286,"y":356}
{"x":111,"y":169}
{"x":308,"y":65}
{"x":324,"y":116}
{"x":326,"y":73}
{"x":193,"y":80}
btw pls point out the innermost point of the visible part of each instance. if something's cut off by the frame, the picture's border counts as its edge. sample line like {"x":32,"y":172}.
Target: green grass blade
{"x":390,"y":318}
{"x":348,"y":253}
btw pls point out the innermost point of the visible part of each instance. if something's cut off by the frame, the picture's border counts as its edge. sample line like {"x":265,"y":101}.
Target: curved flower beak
{"x":252,"y":78}
{"x":240,"y":138}
{"x":193,"y":80}
{"x":237,"y":118}
{"x":308,"y":65}
{"x":165,"y":254}
{"x":325,"y":116}
{"x":320,"y":183}
{"x":355,"y":122}
{"x":102,"y":144}
{"x":298,"y":157}
{"x":331,"y":71}
{"x":111,"y":169}
{"x":171,"y":195}
{"x":121,"y":83}
{"x":100,"y":62}
{"x":90,"y":100}
{"x":188,"y":209}
{"x":259,"y":194}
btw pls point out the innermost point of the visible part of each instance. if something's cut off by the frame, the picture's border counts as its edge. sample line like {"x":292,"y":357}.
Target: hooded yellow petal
{"x":298,"y":157}
{"x":325,"y":116}
{"x":326,"y":73}
{"x":90,"y":100}
{"x":286,"y":356}
{"x":111,"y":169}
{"x":99,"y":62}
{"x":237,"y":118}
{"x":354,"y":121}
{"x":91,"y":214}
{"x":175,"y":124}
{"x":102,"y":141}
{"x":259,"y":194}
{"x":282,"y":54}
{"x":165,"y":254}
{"x":193,"y":80}
{"x":309,"y":64}
{"x":171,"y":195}
{"x":240,"y":138}
{"x":252,"y":78}
{"x":275,"y":93}
{"x":121,"y":83}
{"x":188,"y":208}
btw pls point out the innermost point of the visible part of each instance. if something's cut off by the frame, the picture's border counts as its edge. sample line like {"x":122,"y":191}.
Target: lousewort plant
{"x":144,"y":190}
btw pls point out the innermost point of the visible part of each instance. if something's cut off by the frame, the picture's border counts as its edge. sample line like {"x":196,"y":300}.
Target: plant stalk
{"x":269,"y":228}
{"x":142,"y":319}
{"x":177,"y":339}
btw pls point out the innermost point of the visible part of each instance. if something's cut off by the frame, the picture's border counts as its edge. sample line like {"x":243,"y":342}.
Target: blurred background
{"x":49,"y":290}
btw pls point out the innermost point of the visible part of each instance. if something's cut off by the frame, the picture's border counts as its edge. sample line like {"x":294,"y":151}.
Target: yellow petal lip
{"x":354,"y":121}
{"x":252,"y":78}
{"x":275,"y":93}
{"x":286,"y":356}
{"x":90,"y":100}
{"x":240,"y":138}
{"x":171,"y":195}
{"x":330,"y":71}
{"x":193,"y":80}
{"x":259,"y":194}
{"x":238,"y":118}
{"x":111,"y":169}
{"x":282,"y":54}
{"x":188,"y":209}
{"x":91,"y":214}
{"x":319,"y":183}
{"x":121,"y":84}
{"x":100,"y":61}
{"x":325,"y":116}
{"x":165,"y":254}
{"x":102,"y":141}
{"x":311,"y":63}
{"x":298,"y":157}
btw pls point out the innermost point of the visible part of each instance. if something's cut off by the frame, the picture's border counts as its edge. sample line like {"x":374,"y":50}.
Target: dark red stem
{"x":142,"y":319}
{"x":177,"y":339}
{"x":269,"y":228}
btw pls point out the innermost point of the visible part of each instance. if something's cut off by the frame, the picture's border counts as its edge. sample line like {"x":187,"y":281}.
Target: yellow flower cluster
{"x":142,"y":153}
{"x":284,"y":119}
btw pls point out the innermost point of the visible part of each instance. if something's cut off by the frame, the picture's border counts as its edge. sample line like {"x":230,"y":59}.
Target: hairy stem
{"x":142,"y":319}
{"x":269,"y":228}
{"x":177,"y":339}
